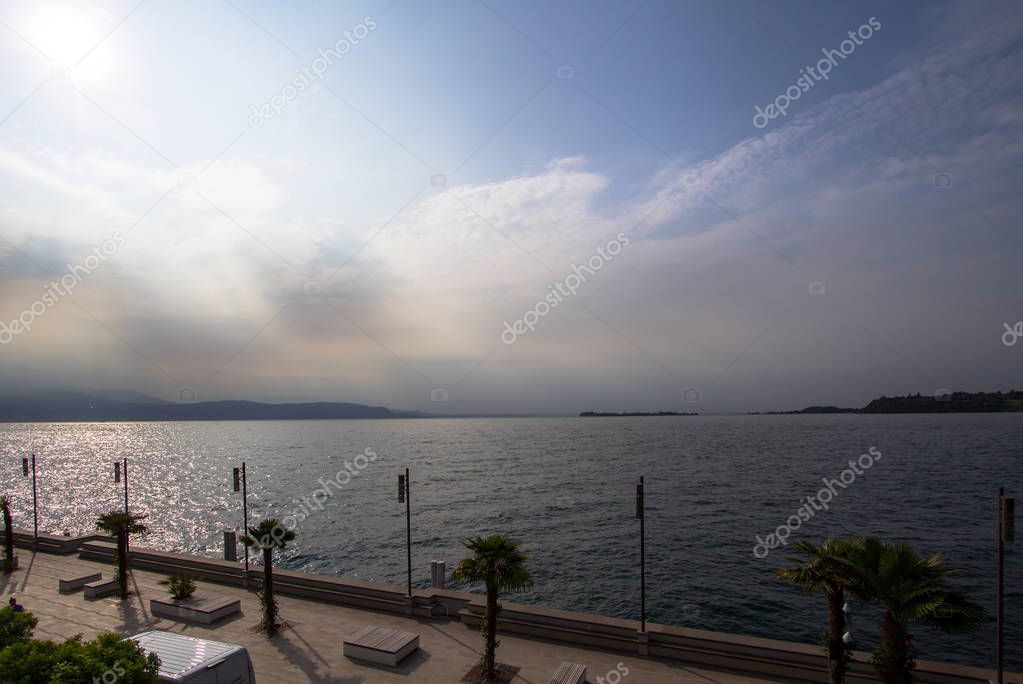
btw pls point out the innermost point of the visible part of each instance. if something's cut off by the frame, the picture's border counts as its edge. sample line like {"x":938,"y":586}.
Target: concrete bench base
{"x":100,"y":589}
{"x":69,"y":585}
{"x":381,"y":645}
{"x":204,"y":611}
{"x":570,"y":673}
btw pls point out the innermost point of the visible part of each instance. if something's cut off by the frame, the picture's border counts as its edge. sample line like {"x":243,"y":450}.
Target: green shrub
{"x":108,"y":657}
{"x":181,"y":586}
{"x":15,"y":627}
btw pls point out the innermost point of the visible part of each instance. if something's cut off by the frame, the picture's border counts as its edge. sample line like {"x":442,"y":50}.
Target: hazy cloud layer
{"x":241,"y":278}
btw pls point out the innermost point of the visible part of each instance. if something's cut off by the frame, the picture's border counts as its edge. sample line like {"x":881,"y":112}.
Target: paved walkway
{"x":311,"y":650}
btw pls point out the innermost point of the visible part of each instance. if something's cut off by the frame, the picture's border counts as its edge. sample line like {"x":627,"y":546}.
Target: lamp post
{"x":117,"y":478}
{"x":405,"y":495}
{"x":35,"y":499}
{"x":1006,"y":533}
{"x":642,"y":553}
{"x":240,"y":479}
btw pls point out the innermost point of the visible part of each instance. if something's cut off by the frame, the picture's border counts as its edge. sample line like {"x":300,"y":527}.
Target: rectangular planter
{"x":204,"y":610}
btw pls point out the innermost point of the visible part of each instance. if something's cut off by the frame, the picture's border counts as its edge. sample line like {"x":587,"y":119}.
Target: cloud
{"x":711,"y":292}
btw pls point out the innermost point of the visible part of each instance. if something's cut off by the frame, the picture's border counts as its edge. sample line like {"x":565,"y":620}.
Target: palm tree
{"x":270,"y":535}
{"x":912,"y":588}
{"x":5,"y":504}
{"x":497,"y":562}
{"x":121,"y":524}
{"x":827,"y":569}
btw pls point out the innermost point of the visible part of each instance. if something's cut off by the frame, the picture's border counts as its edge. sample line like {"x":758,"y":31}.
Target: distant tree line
{"x":952,"y":402}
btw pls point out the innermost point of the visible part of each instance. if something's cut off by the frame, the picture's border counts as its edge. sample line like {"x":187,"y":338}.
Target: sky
{"x":512,"y":207}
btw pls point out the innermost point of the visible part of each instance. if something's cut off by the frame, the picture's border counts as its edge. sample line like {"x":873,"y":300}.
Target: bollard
{"x":437,"y":574}
{"x":643,"y":642}
{"x":230,"y":545}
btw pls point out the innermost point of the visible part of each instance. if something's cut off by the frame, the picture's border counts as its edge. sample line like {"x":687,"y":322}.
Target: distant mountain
{"x":58,"y":406}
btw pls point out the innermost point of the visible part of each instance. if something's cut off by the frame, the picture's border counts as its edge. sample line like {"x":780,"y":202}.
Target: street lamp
{"x":240,"y":480}
{"x":405,"y":496}
{"x":640,"y":510}
{"x":117,"y":478}
{"x":1006,"y":533}
{"x":35,"y":499}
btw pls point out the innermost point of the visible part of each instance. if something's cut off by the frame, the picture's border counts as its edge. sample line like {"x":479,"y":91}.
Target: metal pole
{"x":641,"y":513}
{"x":126,"y":514}
{"x":245,"y":519}
{"x":999,"y":663}
{"x":408,"y":527}
{"x":35,"y":507}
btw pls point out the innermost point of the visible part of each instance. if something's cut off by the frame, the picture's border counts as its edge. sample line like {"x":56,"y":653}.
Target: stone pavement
{"x":310,"y":651}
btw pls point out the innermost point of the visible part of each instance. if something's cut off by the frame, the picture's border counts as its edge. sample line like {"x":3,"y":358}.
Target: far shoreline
{"x":492,"y":417}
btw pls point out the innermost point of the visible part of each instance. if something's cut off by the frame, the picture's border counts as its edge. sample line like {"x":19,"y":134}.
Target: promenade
{"x":310,"y":650}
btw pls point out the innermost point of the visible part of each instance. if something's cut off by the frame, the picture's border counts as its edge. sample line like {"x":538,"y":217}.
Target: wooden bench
{"x":69,"y":585}
{"x":204,"y":611}
{"x":100,"y":588}
{"x":570,"y":673}
{"x":380,"y":645}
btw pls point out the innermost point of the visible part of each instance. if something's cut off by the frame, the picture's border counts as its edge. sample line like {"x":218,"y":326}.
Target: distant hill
{"x":598,"y":414}
{"x":808,"y":409}
{"x":99,"y":407}
{"x":954,"y":402}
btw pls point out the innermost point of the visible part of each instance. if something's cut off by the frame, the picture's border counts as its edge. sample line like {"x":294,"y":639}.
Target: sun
{"x":72,"y":35}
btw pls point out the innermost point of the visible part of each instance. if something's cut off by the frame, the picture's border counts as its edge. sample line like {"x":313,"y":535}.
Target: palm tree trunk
{"x":268,"y":571}
{"x":8,"y":541}
{"x":122,"y":563}
{"x":836,"y":647}
{"x":490,"y":645}
{"x":893,"y":640}
{"x":269,"y":607}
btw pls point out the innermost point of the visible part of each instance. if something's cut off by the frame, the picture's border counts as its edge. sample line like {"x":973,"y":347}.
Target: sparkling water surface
{"x":565,"y":488}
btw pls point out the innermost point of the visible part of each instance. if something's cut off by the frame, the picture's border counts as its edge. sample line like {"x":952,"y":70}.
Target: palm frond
{"x":269,"y":533}
{"x":953,"y":614}
{"x":118,"y":522}
{"x":497,"y":561}
{"x":914,"y":588}
{"x":827,"y":568}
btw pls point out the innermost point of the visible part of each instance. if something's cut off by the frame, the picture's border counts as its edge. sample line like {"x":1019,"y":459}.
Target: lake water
{"x":565,"y":488}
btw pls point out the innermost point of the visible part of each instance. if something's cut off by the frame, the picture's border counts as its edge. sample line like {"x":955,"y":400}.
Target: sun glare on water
{"x":72,"y":35}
